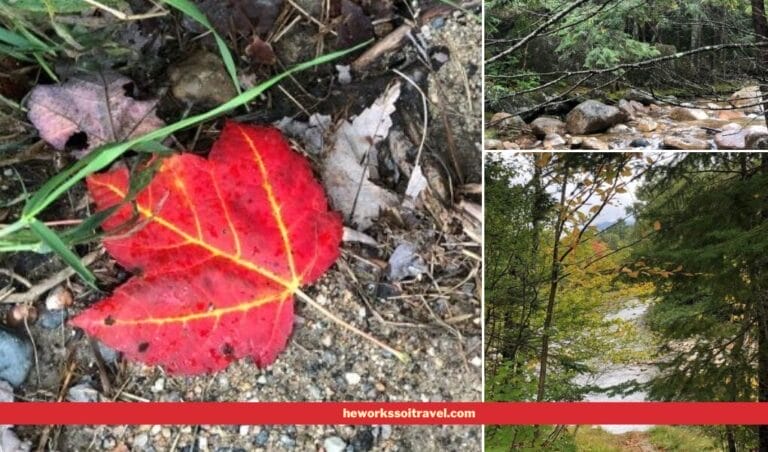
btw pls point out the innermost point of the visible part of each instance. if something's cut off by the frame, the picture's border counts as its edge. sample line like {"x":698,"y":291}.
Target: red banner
{"x":404,"y":413}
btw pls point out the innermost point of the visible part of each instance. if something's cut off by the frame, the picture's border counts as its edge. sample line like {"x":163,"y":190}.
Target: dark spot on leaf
{"x":143,"y":346}
{"x":228,"y":350}
{"x":77,"y":142}
{"x":109,"y":320}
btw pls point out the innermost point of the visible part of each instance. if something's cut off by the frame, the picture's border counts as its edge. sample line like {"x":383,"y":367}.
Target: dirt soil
{"x":433,"y":316}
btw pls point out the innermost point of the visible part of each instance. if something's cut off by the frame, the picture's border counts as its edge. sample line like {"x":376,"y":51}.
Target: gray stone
{"x":506,"y":121}
{"x":545,"y":125}
{"x":746,"y":98}
{"x":15,"y":357}
{"x":735,"y":137}
{"x":592,"y":116}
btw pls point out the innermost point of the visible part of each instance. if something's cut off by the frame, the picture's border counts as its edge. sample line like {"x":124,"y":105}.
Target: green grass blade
{"x":191,"y":10}
{"x":15,"y":40}
{"x":105,"y":155}
{"x":57,"y":245}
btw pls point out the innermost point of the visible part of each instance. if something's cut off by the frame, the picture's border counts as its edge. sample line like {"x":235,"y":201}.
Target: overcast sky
{"x":611,"y":213}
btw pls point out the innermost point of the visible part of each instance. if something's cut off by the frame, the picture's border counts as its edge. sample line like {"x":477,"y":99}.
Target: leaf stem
{"x":403,"y":357}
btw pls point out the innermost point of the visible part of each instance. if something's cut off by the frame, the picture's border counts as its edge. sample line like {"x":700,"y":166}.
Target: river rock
{"x":734,"y":136}
{"x":15,"y":357}
{"x":553,"y":141}
{"x":592,"y":116}
{"x":493,"y":144}
{"x":638,"y":107}
{"x":757,"y":141}
{"x":746,"y":98}
{"x":688,"y":114}
{"x":640,"y":96}
{"x":619,"y":129}
{"x":646,"y":125}
{"x":627,"y":108}
{"x":684,"y":143}
{"x":594,"y":144}
{"x":545,"y":125}
{"x":509,"y":145}
{"x":507,"y":121}
{"x":639,"y":143}
{"x":730,"y":115}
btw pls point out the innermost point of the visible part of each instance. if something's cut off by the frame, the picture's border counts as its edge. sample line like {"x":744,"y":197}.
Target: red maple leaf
{"x":223,"y":245}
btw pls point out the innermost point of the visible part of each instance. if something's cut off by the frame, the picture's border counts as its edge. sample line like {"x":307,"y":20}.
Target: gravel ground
{"x":434,"y":318}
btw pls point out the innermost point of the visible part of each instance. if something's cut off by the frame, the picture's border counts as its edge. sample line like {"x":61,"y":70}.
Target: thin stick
{"x":426,"y":114}
{"x":310,"y":301}
{"x":49,"y":283}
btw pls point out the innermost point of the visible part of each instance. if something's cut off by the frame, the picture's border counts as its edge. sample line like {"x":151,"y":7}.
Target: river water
{"x":609,"y":374}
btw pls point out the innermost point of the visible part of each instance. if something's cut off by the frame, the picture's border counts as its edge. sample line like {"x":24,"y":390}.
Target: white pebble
{"x":158,"y":386}
{"x":334,"y":444}
{"x":244,"y":430}
{"x":476,"y":361}
{"x":352,"y":378}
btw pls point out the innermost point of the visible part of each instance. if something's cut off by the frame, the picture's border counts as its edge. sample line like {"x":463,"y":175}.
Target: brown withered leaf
{"x":260,"y":52}
{"x":241,"y":17}
{"x":88,"y":111}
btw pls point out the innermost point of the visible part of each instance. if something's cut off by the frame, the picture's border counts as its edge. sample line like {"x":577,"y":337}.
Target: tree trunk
{"x":730,"y":438}
{"x":554,"y":278}
{"x":760,"y":24}
{"x":762,"y":325}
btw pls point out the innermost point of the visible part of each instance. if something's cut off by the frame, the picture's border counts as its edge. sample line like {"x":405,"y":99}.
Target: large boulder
{"x":748,"y":99}
{"x":736,"y":137}
{"x":545,"y":125}
{"x":688,"y":114}
{"x":592,"y":116}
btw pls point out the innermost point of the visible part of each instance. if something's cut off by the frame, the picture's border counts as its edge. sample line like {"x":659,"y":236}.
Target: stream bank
{"x":640,"y":121}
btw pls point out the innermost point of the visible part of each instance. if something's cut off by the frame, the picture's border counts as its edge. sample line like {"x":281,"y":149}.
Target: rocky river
{"x":640,"y":122}
{"x":610,"y":374}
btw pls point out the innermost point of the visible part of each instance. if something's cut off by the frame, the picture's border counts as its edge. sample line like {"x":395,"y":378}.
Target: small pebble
{"x":158,"y":386}
{"x":155,"y":430}
{"x":108,"y":443}
{"x":352,"y":378}
{"x":244,"y":430}
{"x":202,"y":443}
{"x":140,"y":440}
{"x":327,"y":340}
{"x":386,"y":432}
{"x":262,"y":438}
{"x":287,"y":441}
{"x":58,"y":298}
{"x":314,"y":392}
{"x":15,"y":357}
{"x":476,"y":361}
{"x":83,"y":392}
{"x":363,"y":440}
{"x":108,"y":354}
{"x":262,"y":380}
{"x":166,"y":433}
{"x":51,"y":320}
{"x":334,"y":444}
